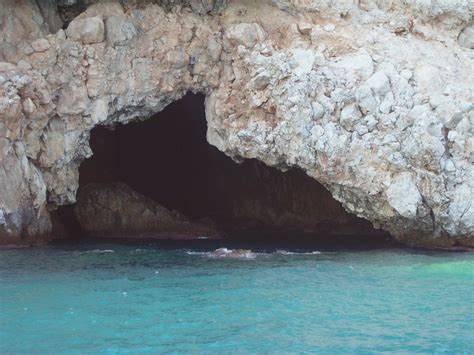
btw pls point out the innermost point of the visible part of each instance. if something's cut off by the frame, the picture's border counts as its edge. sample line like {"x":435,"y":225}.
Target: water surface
{"x":108,"y":298}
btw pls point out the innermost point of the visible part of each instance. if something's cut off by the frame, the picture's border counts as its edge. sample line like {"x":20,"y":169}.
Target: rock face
{"x":374,"y":99}
{"x":118,"y":211}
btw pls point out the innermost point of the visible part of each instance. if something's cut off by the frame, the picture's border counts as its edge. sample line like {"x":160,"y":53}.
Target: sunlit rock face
{"x":373,"y":99}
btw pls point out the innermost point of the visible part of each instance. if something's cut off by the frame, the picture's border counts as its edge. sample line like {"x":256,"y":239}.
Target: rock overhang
{"x":382,"y":117}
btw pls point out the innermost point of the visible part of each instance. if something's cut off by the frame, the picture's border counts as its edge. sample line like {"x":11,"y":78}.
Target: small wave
{"x":98,"y":251}
{"x":226,"y":253}
{"x":244,"y":254}
{"x":286,"y":252}
{"x":196,"y":252}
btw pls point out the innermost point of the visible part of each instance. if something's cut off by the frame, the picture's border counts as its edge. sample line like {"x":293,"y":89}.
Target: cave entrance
{"x":161,"y":178}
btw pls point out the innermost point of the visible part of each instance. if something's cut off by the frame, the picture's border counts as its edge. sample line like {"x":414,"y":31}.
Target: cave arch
{"x":166,"y":161}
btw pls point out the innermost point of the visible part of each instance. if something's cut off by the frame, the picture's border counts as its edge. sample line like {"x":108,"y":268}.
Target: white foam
{"x":101,"y":251}
{"x":224,"y":253}
{"x":196,"y":252}
{"x":286,"y":252}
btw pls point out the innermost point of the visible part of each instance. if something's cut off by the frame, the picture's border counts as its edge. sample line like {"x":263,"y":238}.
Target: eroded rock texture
{"x":374,"y":99}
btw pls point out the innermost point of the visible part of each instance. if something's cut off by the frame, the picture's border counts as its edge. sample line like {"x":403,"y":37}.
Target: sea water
{"x":93,"y":298}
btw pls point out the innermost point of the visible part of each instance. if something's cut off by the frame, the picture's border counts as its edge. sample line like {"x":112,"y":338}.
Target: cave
{"x":166,"y":161}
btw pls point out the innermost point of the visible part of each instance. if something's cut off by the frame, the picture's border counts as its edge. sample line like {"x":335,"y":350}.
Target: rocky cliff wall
{"x":374,"y":99}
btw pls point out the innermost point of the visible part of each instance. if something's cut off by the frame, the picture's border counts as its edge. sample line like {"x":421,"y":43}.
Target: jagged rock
{"x":247,"y":34}
{"x":416,"y":113}
{"x":40,"y":45}
{"x":115,"y":209}
{"x":119,"y":30}
{"x":305,"y":28}
{"x":89,"y":30}
{"x":379,"y":83}
{"x":403,"y":195}
{"x":466,"y":37}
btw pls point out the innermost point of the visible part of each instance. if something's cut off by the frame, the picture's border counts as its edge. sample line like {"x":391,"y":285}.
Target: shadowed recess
{"x":167,"y":160}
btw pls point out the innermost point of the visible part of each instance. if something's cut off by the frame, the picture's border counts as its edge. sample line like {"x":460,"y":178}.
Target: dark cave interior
{"x":168,"y":159}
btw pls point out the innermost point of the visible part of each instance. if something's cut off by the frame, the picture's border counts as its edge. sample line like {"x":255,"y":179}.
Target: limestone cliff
{"x":373,"y":99}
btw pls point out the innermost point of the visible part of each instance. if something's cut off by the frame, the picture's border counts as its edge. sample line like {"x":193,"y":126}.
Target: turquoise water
{"x":114,"y":299}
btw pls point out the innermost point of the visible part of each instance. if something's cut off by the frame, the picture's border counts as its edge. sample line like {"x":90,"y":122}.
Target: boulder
{"x":87,"y":31}
{"x":116,"y":210}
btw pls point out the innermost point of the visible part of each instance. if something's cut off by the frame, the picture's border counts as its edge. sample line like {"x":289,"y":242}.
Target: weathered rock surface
{"x":373,"y":99}
{"x":89,"y":30}
{"x":116,"y":210}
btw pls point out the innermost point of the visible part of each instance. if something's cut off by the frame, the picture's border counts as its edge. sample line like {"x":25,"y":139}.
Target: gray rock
{"x":466,"y":37}
{"x":72,"y":100}
{"x":88,"y":30}
{"x":40,"y":45}
{"x":119,"y":30}
{"x":247,"y":34}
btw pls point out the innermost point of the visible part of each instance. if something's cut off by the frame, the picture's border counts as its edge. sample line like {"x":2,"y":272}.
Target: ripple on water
{"x":127,"y":299}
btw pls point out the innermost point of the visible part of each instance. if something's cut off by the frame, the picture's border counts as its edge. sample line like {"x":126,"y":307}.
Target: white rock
{"x":318,"y":110}
{"x":379,"y":83}
{"x":29,"y":107}
{"x":99,"y":111}
{"x":88,"y":30}
{"x":387,"y":103}
{"x":350,"y":115}
{"x":40,"y":45}
{"x":366,"y":99}
{"x":407,"y":74}
{"x":403,"y":195}
{"x":304,"y":61}
{"x":329,"y":27}
{"x":449,"y":166}
{"x":247,"y":34}
{"x":360,"y":63}
{"x":466,"y":37}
